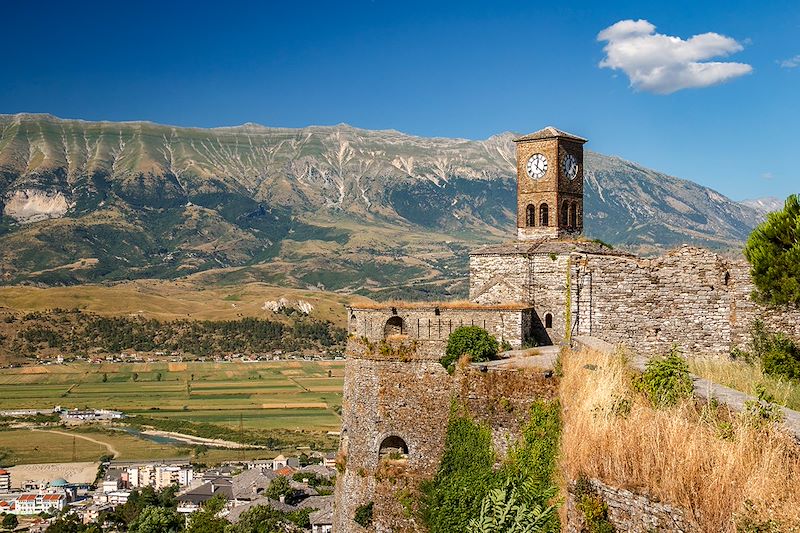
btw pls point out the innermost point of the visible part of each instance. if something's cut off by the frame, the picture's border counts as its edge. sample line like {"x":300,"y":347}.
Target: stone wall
{"x":630,"y":512}
{"x":431,"y":324}
{"x":690,"y":297}
{"x":410,"y":397}
{"x":385,"y":398}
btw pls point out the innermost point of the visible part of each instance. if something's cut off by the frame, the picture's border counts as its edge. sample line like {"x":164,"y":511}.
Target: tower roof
{"x":549,"y":133}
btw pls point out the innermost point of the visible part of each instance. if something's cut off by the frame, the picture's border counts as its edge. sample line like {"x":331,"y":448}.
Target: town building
{"x":5,"y":481}
{"x":31,"y":503}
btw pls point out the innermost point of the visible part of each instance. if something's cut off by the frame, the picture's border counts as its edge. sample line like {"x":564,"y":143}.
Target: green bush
{"x":473,"y":341}
{"x":773,"y":250}
{"x":469,"y":494}
{"x":779,"y":356}
{"x":665,"y":380}
{"x":363,"y":516}
{"x":10,"y":521}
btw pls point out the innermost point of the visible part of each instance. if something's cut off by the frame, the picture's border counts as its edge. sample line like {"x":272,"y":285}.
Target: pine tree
{"x":773,"y":250}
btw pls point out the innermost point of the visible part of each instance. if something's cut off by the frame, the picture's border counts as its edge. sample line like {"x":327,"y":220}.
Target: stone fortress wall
{"x":396,"y":394}
{"x":690,"y":297}
{"x":431,"y":323}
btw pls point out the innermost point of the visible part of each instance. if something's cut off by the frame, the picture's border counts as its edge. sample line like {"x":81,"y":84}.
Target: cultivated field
{"x":290,"y":395}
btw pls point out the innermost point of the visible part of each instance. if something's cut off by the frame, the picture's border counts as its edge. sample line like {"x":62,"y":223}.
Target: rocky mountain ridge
{"x":334,"y":206}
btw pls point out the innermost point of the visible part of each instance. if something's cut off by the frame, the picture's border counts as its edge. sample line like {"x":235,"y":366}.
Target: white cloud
{"x":663,"y":64}
{"x":792,"y":62}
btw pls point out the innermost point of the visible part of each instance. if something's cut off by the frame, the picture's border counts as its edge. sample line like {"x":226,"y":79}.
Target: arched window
{"x":394,"y":326}
{"x":530,"y":216}
{"x":564,"y":214}
{"x":394,"y":448}
{"x":544,"y":215}
{"x":548,"y":321}
{"x":573,"y":215}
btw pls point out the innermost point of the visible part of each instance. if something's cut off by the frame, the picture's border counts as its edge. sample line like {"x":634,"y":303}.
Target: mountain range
{"x":336,"y":207}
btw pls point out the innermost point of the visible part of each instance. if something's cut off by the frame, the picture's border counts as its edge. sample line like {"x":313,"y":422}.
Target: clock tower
{"x":549,"y":185}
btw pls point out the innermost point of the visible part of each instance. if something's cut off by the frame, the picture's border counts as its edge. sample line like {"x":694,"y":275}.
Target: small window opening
{"x":437,"y":312}
{"x":544,"y":215}
{"x":393,"y":448}
{"x":530,"y":216}
{"x":548,"y":321}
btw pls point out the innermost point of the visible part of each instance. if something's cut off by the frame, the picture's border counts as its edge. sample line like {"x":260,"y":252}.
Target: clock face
{"x":537,"y":166}
{"x":570,"y":166}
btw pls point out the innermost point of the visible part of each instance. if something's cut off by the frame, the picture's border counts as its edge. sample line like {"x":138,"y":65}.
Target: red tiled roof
{"x":52,"y":497}
{"x":285,"y":471}
{"x":4,"y":472}
{"x":27,"y":498}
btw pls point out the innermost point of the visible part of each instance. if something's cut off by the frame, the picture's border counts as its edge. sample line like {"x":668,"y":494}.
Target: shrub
{"x":363,"y":516}
{"x":592,"y":507}
{"x":472,"y":341}
{"x":464,"y":477}
{"x":779,"y":356}
{"x":469,"y":494}
{"x":665,"y":380}
{"x":773,"y":250}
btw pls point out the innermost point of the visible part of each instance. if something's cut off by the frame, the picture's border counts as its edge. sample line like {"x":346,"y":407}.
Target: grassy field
{"x":28,"y":447}
{"x":282,"y":396}
{"x":169,"y":300}
{"x":264,"y":395}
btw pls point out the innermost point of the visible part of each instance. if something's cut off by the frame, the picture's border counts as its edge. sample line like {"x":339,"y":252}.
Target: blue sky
{"x":456,"y":69}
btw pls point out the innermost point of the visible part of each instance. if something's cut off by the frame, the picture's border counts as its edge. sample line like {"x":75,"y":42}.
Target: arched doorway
{"x":393,"y":448}
{"x":564,"y":214}
{"x":573,"y":215}
{"x":394,"y":326}
{"x":544,"y":215}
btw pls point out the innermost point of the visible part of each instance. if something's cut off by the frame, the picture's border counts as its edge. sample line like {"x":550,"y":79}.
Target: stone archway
{"x":393,"y":448}
{"x":394,"y":326}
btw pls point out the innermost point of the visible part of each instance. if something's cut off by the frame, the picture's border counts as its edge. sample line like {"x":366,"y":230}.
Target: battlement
{"x":429,"y":324}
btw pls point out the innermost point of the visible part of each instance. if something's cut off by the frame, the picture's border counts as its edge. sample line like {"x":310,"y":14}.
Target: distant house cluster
{"x":34,"y":498}
{"x":242,"y":486}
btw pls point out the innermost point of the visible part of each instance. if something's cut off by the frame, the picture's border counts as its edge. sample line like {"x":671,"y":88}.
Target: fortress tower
{"x":549,"y":185}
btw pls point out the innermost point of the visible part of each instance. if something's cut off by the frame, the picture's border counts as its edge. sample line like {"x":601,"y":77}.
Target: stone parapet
{"x":630,"y":512}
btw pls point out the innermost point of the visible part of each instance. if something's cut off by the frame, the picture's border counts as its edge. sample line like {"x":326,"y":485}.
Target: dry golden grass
{"x":675,"y":455}
{"x":746,"y":378}
{"x":455,"y":304}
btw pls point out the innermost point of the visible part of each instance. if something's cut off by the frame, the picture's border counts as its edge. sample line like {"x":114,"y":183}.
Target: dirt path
{"x":113,"y":451}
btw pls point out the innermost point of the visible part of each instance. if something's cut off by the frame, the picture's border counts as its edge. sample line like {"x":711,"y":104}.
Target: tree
{"x":773,"y":250}
{"x":206,"y":520}
{"x":278,"y":487}
{"x":10,"y":521}
{"x":157,"y":520}
{"x":472,"y":341}
{"x":259,"y":519}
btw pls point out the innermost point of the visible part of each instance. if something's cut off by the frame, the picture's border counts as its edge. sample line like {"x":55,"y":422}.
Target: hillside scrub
{"x":773,"y":250}
{"x":726,"y":470}
{"x":78,"y":332}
